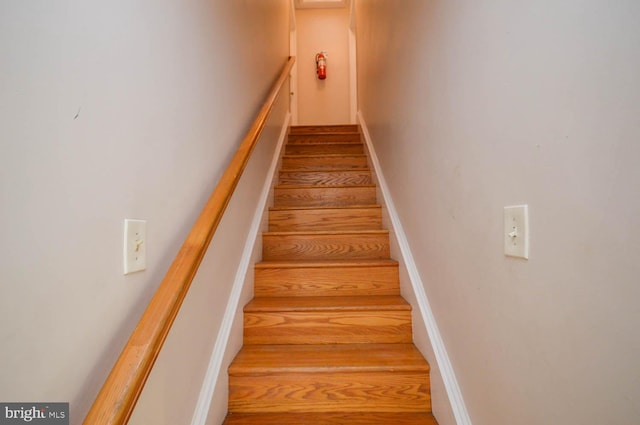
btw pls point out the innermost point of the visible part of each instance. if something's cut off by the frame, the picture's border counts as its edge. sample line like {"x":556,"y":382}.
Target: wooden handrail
{"x":121,"y":390}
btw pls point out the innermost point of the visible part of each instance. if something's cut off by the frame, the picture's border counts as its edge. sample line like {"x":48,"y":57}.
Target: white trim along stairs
{"x":204,"y":403}
{"x":442,"y":358}
{"x":215,"y":363}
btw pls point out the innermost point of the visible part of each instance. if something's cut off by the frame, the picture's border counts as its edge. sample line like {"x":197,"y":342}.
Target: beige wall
{"x":323,"y":101}
{"x":506,"y":103}
{"x":113,"y":110}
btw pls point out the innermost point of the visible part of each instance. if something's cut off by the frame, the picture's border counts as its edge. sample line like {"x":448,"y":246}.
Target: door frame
{"x":293,"y":80}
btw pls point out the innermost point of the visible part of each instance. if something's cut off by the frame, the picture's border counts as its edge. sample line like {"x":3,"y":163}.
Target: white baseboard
{"x":215,"y":363}
{"x":442,"y":358}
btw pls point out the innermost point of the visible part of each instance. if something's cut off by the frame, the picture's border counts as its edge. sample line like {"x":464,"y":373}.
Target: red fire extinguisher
{"x":321,"y":65}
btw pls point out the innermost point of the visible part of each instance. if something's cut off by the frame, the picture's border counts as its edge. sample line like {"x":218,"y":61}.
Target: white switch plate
{"x":135,"y":245}
{"x":516,"y":231}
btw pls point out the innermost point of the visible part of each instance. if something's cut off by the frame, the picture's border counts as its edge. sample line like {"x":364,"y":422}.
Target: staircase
{"x":327,"y":338}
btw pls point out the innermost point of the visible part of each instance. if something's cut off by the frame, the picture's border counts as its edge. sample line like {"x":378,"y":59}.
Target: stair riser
{"x":326,"y":281}
{"x":346,"y":327}
{"x":332,"y":392}
{"x":325,"y":178}
{"x":323,"y":138}
{"x":324,"y":196}
{"x":328,"y":338}
{"x":326,"y":219}
{"x":314,"y":129}
{"x":332,"y":418}
{"x":325,"y":247}
{"x":324,"y":148}
{"x":322,"y":282}
{"x":324,"y":162}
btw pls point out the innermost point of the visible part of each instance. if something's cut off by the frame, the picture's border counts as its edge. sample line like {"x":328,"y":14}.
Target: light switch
{"x":516,"y":231}
{"x":135,"y":245}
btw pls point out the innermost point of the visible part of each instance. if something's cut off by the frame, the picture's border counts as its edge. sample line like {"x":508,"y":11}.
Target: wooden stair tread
{"x":324,"y":218}
{"x":325,"y":244}
{"x":328,"y":336}
{"x":333,"y":177}
{"x":326,"y":278}
{"x":326,"y":133}
{"x":326,"y":263}
{"x":327,"y":161}
{"x":326,"y":155}
{"x":316,"y":147}
{"x":321,"y":170}
{"x":302,"y":129}
{"x":327,"y":233}
{"x":313,"y":186}
{"x":320,"y":141}
{"x":260,"y":359}
{"x":323,"y":207}
{"x":309,"y":195}
{"x":333,"y":418}
{"x":327,"y":304}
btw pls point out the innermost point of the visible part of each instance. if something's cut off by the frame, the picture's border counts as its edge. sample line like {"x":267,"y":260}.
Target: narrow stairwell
{"x":327,"y":338}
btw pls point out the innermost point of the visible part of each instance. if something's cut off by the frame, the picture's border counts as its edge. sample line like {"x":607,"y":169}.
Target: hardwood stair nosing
{"x":324,"y":128}
{"x":317,"y":155}
{"x":328,"y":304}
{"x":327,"y":232}
{"x":324,"y":179}
{"x":312,"y":186}
{"x":328,"y":358}
{"x":328,"y":142}
{"x":331,"y":418}
{"x":397,"y":392}
{"x":325,"y":207}
{"x":319,"y":133}
{"x":334,"y":170}
{"x":325,"y":263}
{"x":312,"y":157}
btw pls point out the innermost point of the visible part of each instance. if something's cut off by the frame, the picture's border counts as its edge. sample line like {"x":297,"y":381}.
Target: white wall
{"x":502,"y":103}
{"x":178,"y":380}
{"x":113,"y":110}
{"x":323,"y":101}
